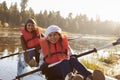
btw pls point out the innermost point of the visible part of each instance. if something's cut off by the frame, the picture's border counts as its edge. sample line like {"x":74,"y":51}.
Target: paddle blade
{"x":118,"y":41}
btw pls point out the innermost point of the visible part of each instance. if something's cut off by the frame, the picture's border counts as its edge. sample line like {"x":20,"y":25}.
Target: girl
{"x":57,"y":52}
{"x":30,"y":38}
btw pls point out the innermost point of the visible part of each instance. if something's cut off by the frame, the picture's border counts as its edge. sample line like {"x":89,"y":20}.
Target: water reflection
{"x":5,"y":52}
{"x":9,"y":43}
{"x":8,"y":66}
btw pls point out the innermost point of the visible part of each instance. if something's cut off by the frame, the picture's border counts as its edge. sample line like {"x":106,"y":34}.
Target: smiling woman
{"x":102,"y":9}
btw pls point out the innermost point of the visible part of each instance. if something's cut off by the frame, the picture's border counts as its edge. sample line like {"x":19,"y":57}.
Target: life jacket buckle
{"x":63,"y":54}
{"x":49,"y":55}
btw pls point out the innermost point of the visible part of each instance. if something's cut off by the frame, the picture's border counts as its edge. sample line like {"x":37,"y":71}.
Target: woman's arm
{"x":24,"y":47}
{"x":23,"y":44}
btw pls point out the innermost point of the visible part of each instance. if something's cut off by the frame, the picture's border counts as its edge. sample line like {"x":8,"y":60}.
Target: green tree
{"x":3,"y":12}
{"x":14,"y":18}
{"x":23,"y":5}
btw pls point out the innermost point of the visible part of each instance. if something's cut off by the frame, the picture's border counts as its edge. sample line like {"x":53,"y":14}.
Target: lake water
{"x":8,"y":66}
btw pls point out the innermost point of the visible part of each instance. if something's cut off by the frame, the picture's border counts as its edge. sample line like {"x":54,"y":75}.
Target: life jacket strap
{"x":51,"y":54}
{"x":32,"y":38}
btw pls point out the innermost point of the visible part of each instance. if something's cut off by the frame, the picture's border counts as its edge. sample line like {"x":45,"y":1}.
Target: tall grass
{"x":112,"y":58}
{"x":91,"y":65}
{"x":101,"y":62}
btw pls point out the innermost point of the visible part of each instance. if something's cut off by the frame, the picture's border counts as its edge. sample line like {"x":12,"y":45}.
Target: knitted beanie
{"x":52,"y":28}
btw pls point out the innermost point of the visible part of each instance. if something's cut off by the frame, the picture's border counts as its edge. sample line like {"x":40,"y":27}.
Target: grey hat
{"x":30,"y":20}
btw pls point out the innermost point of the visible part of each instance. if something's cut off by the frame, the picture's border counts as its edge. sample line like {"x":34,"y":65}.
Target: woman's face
{"x":30,"y":27}
{"x":53,"y":37}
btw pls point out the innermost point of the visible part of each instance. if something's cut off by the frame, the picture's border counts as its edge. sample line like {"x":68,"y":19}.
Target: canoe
{"x":23,"y":67}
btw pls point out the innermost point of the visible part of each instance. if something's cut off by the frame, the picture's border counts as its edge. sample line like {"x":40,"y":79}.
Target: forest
{"x":80,"y":24}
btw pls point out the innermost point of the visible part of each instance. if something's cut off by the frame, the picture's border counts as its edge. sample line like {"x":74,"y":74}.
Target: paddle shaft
{"x":9,"y":55}
{"x":70,"y":39}
{"x":26,"y":74}
{"x":17,"y":53}
{"x":96,"y":49}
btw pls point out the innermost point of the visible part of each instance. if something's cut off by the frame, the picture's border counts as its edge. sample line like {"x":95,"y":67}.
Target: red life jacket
{"x":54,"y":52}
{"x":31,"y":42}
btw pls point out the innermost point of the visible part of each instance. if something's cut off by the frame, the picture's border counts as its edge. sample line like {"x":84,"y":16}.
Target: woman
{"x":57,"y":52}
{"x":30,"y":38}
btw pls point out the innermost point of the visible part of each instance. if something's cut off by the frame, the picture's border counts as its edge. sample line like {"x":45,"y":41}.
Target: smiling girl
{"x":57,"y":55}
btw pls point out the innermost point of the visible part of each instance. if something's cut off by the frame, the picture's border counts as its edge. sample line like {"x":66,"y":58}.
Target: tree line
{"x":15,"y":17}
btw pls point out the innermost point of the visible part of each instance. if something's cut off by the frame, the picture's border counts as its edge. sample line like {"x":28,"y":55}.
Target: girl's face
{"x":53,"y":37}
{"x":30,"y":27}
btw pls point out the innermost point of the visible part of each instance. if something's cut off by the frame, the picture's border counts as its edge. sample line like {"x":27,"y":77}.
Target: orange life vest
{"x":31,"y":42}
{"x":54,"y":52}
